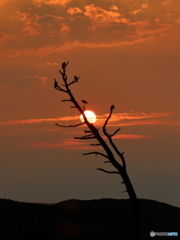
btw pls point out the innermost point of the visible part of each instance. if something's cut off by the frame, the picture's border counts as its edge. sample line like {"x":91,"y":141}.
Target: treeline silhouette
{"x":85,"y":219}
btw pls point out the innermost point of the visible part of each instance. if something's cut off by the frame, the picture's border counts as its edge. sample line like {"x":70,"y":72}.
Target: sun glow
{"x":91,"y":116}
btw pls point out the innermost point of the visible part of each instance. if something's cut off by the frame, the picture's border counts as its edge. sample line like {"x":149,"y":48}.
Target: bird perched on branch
{"x":56,"y":84}
{"x":84,"y":102}
{"x":63,"y":65}
{"x":112,"y":107}
{"x":76,"y":78}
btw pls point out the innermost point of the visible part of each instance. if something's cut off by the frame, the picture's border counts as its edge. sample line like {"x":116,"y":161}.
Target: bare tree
{"x":93,"y":133}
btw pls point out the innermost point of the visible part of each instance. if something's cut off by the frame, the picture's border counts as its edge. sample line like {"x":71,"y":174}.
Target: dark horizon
{"x":127,"y":56}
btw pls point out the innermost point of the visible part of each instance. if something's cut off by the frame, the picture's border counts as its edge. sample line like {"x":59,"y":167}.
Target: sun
{"x":91,"y":116}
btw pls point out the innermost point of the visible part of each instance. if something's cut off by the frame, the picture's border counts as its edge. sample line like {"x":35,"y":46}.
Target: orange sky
{"x":126,"y":53}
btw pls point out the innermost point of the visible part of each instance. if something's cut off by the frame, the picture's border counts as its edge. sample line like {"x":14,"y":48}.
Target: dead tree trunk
{"x":93,"y":133}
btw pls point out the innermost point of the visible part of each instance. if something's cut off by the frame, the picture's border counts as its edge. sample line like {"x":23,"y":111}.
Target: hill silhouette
{"x":85,"y":219}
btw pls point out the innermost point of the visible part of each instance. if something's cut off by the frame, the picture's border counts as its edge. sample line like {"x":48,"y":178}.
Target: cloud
{"x":135,"y":119}
{"x":140,"y":123}
{"x":135,"y":11}
{"x":2,"y":2}
{"x":42,"y":120}
{"x":74,"y":10}
{"x":39,"y":3}
{"x":5,"y":38}
{"x":129,"y":136}
{"x":34,"y":29}
{"x":177,"y":21}
{"x":47,"y":64}
{"x":64,"y":144}
{"x":174,"y":123}
{"x":64,"y":29}
{"x":166,"y":2}
{"x":42,"y":79}
{"x":69,"y":143}
{"x":30,"y":20}
{"x":131,"y":118}
{"x":176,"y":130}
{"x":145,"y":5}
{"x":100,"y":17}
{"x":114,"y":7}
{"x":51,"y":64}
{"x":118,"y":119}
{"x":73,"y":144}
{"x":76,"y":144}
{"x":44,"y":51}
{"x":126,"y":118}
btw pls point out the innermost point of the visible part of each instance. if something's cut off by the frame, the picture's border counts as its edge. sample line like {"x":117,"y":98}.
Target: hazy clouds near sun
{"x":45,"y":26}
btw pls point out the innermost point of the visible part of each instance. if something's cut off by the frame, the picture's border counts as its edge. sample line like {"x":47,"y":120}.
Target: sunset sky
{"x":127,"y":53}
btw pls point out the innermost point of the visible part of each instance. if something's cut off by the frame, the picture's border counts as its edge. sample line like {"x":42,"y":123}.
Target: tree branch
{"x":68,"y":100}
{"x":115,"y":132}
{"x":118,"y":152}
{"x":60,"y":89}
{"x":87,"y":131}
{"x":84,"y":138}
{"x":100,"y":169}
{"x":74,"y":81}
{"x":104,"y":127}
{"x":70,"y":83}
{"x":95,"y":144}
{"x":69,"y":125}
{"x":110,"y":139}
{"x":96,"y":153}
{"x":57,"y":87}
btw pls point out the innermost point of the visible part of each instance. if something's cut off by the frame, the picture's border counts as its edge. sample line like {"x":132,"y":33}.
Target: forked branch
{"x":115,"y":132}
{"x":110,"y":138}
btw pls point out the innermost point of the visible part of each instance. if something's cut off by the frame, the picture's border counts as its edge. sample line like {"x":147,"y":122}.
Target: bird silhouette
{"x":84,"y":102}
{"x":63,"y":65}
{"x":56,"y":84}
{"x":76,"y":78}
{"x":112,"y":107}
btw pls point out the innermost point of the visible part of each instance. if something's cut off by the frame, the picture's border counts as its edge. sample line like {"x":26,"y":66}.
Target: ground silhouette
{"x":85,"y":219}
